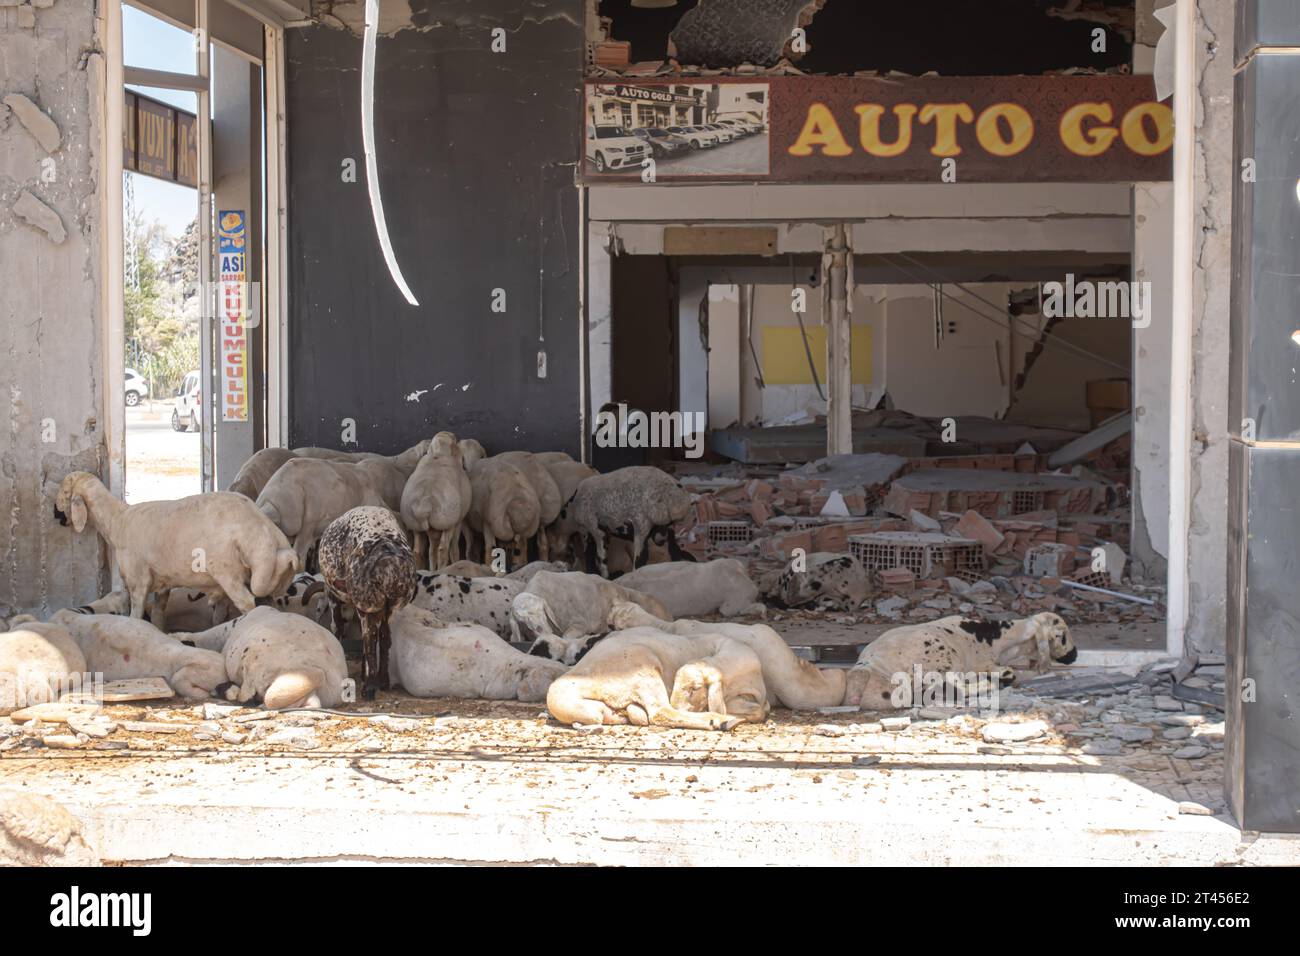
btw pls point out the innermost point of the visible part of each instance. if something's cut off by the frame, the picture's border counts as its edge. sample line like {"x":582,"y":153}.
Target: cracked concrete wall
{"x":50,"y":331}
{"x":1208,"y":537}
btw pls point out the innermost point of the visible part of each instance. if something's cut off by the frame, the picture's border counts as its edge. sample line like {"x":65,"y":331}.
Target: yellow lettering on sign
{"x":1094,"y":141}
{"x":869,"y":131}
{"x":945,"y":117}
{"x":820,"y":129}
{"x":1134,"y":132}
{"x":1019,"y":123}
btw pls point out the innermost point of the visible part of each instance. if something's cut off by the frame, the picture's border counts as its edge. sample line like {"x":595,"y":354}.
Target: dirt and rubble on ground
{"x":998,"y":535}
{"x":1160,"y":726}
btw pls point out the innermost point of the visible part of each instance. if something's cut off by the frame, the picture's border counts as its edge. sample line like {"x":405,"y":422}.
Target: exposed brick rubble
{"x":994,"y":535}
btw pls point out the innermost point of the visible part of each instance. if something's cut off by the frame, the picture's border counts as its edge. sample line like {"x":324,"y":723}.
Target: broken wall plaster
{"x":424,"y":15}
{"x":729,"y":33}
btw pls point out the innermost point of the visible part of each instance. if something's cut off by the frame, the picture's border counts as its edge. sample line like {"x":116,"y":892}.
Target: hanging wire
{"x":1003,"y":320}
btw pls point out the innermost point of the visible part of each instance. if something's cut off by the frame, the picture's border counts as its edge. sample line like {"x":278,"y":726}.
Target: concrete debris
{"x":728,"y":33}
{"x":35,"y":213}
{"x":38,"y":123}
{"x":1001,"y":733}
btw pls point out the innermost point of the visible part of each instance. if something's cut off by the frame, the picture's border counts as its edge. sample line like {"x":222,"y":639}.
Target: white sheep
{"x":38,"y":661}
{"x":639,"y":497}
{"x":790,"y":681}
{"x":504,"y":506}
{"x":548,"y":492}
{"x":432,"y":659}
{"x":283,"y":660}
{"x":435,"y":501}
{"x":216,"y":541}
{"x":688,"y":588}
{"x":563,"y":614}
{"x":306,"y":494}
{"x":257,"y":471}
{"x":647,"y":677}
{"x":123,"y":648}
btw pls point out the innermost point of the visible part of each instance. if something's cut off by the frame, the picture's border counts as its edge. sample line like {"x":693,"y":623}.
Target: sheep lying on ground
{"x":791,"y":682}
{"x":957,"y":646}
{"x":640,"y":497}
{"x":433,"y":659}
{"x":648,"y":677}
{"x":171,"y":611}
{"x":564,"y":614}
{"x":459,"y":569}
{"x":38,"y":662}
{"x":828,"y":580}
{"x":284,"y":660}
{"x":122,"y":648}
{"x":688,"y":588}
{"x":306,"y":494}
{"x":257,"y":471}
{"x":114,"y":602}
{"x":367,"y":565}
{"x":436,"y":499}
{"x":213,"y":542}
{"x":481,"y":601}
{"x":504,"y":507}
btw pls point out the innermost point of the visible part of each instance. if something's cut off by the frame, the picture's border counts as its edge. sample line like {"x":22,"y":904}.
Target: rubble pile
{"x":997,"y":535}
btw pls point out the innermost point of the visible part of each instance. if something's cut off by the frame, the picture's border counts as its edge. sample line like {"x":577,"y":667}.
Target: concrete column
{"x":839,"y":347}
{"x":600,"y":341}
{"x":237,"y":186}
{"x":53,"y":376}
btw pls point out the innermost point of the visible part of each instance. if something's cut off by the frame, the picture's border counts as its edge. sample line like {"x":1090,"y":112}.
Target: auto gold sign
{"x":999,"y":129}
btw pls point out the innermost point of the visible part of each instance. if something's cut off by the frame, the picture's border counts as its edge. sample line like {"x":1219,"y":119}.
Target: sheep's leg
{"x":417,"y":546}
{"x":369,"y":658}
{"x":302,"y":545}
{"x":339,"y":625}
{"x":453,"y":548}
{"x":489,"y":544}
{"x":139,"y":596}
{"x":601,"y":560}
{"x":446,"y":540}
{"x":385,"y":639}
{"x":521,"y":551}
{"x":543,"y":545}
{"x":237,"y":591}
{"x":638,"y":542}
{"x":158,"y":618}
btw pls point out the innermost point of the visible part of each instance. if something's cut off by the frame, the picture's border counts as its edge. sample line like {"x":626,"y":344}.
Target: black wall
{"x":476,"y":158}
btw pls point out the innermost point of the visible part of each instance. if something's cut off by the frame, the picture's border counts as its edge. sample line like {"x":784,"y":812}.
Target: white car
{"x":697,"y":136}
{"x":612,"y":147}
{"x":189,"y":401}
{"x":137,"y":389}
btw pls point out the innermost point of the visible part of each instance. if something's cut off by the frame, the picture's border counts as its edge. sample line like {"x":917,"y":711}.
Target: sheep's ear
{"x":78,"y":513}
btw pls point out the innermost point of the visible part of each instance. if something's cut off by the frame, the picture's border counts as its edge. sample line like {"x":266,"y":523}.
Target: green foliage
{"x":161,"y":309}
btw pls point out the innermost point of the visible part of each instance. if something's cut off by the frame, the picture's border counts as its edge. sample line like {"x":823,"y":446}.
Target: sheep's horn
{"x":312,"y":590}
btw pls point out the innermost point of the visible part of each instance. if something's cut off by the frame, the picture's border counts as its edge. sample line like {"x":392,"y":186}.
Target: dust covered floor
{"x":1121,"y":773}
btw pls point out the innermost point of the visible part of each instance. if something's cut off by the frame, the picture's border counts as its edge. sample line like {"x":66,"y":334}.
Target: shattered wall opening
{"x":845,"y":36}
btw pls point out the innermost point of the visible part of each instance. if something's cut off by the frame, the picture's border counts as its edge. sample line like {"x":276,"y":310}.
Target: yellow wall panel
{"x":786,"y":363}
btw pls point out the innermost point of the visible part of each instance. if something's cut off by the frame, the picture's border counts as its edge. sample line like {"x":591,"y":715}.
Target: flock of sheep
{"x":234,"y":612}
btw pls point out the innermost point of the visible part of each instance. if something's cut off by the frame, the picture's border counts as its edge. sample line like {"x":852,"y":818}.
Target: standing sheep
{"x":257,"y":471}
{"x":368,"y":565}
{"x":549,"y":501}
{"x":436,"y":500}
{"x":216,"y":541}
{"x":568,"y":475}
{"x":306,"y":494}
{"x":640,"y":497}
{"x":504,"y":506}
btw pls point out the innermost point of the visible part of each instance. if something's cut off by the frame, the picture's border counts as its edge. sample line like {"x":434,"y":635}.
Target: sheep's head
{"x":444,"y":445}
{"x":69,"y":502}
{"x":1057,"y":632}
{"x":471,"y":451}
{"x":625,"y":615}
